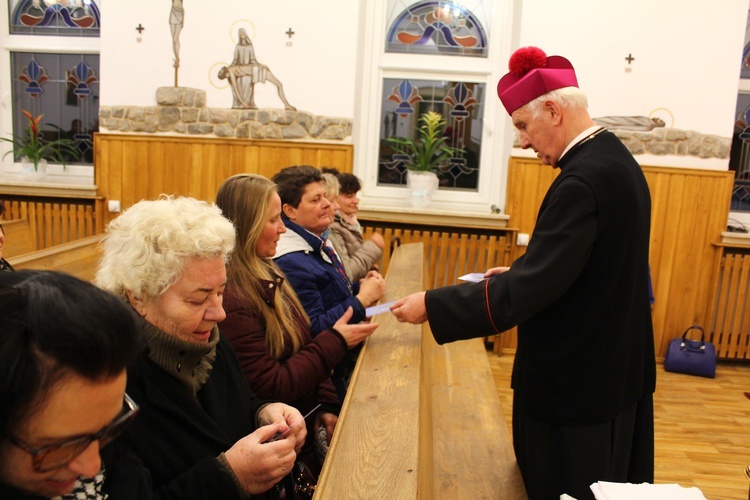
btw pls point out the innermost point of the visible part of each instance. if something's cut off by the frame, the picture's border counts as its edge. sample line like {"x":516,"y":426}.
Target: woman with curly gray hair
{"x":202,"y":431}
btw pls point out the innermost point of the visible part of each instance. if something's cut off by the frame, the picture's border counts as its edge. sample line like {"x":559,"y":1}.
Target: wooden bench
{"x":79,"y":258}
{"x":19,"y":238}
{"x":419,"y":420}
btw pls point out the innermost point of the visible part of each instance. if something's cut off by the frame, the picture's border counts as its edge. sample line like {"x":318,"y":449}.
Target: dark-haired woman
{"x":361,"y":254}
{"x":64,"y":349}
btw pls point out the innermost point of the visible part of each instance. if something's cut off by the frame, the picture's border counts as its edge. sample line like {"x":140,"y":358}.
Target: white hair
{"x":147,"y":247}
{"x":566,"y":97}
{"x":331,"y":185}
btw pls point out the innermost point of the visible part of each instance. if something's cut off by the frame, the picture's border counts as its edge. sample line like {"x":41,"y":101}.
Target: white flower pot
{"x":29,"y":173}
{"x":422,"y":185}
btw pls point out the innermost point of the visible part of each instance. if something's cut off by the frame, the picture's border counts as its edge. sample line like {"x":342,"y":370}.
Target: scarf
{"x":188,"y":362}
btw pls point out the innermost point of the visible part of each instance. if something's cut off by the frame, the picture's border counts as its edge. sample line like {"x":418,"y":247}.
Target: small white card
{"x":380,"y":308}
{"x":473,"y":277}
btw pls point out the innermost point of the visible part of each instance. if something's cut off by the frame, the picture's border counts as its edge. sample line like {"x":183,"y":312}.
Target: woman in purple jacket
{"x":266,"y":323}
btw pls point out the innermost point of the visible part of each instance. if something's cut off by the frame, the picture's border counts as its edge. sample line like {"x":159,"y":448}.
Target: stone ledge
{"x":669,"y":141}
{"x":183,"y":110}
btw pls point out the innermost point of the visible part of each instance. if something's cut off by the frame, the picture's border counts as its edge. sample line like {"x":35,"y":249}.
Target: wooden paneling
{"x":689,"y":211}
{"x":54,"y":220}
{"x":130,"y":168}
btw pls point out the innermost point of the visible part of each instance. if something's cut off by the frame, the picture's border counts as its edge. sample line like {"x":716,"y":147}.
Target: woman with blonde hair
{"x":265,"y":321}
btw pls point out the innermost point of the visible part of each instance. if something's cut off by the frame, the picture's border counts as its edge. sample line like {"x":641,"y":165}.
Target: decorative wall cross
{"x":289,"y":33}
{"x":140,"y":28}
{"x":630,"y":58}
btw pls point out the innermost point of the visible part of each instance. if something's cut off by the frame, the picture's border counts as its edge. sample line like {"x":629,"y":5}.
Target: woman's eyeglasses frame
{"x":57,"y":455}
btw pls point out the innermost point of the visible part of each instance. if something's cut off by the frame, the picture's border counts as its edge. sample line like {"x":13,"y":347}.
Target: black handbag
{"x":694,"y":357}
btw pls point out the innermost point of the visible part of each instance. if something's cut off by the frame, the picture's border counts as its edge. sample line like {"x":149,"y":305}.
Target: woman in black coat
{"x":201,"y":433}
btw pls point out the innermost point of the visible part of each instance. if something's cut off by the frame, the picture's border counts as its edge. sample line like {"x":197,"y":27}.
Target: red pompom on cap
{"x":525,"y":59}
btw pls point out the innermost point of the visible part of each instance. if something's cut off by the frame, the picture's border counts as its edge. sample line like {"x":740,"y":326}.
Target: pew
{"x":79,"y":258}
{"x":419,"y":420}
{"x":19,"y":238}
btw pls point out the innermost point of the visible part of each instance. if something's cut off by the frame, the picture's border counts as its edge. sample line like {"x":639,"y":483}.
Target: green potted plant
{"x":36,"y":150}
{"x":424,"y":155}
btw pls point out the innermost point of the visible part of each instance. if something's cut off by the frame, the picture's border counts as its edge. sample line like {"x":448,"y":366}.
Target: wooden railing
{"x":450,"y":252}
{"x":419,"y":420}
{"x":55,"y":220}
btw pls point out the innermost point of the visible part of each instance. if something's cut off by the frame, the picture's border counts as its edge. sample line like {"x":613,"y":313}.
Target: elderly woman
{"x":202,"y":433}
{"x":359,"y":254}
{"x":265,"y":321}
{"x":64,"y":348}
{"x":309,"y":261}
{"x":331,"y":191}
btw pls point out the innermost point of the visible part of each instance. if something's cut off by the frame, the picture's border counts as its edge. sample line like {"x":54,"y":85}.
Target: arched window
{"x":437,"y":27}
{"x":432,"y":56}
{"x":43,"y":17}
{"x":61,"y":81}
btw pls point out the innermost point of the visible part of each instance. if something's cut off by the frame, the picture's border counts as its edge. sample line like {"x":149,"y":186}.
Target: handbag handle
{"x":703,"y":336}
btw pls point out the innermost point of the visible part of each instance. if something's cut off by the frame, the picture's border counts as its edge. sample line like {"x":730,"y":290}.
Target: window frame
{"x":375,"y":65}
{"x":743,"y":87}
{"x":52,"y":44}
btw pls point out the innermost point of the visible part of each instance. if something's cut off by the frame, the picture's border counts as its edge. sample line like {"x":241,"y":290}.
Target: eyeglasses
{"x":54,"y":456}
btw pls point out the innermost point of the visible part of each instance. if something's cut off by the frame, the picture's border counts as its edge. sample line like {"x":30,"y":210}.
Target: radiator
{"x":731,"y":314}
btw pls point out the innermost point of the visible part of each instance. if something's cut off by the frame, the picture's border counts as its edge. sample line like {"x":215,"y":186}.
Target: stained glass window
{"x":65,"y":89}
{"x":745,"y":64}
{"x":739,"y":159}
{"x":460,"y":104}
{"x":740,"y":155}
{"x":54,"y":17}
{"x":59,"y":82}
{"x":437,"y":27}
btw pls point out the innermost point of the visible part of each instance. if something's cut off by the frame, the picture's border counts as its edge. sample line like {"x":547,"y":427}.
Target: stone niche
{"x":183,"y":110}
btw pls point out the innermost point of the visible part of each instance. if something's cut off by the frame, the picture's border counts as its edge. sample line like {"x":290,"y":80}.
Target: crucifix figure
{"x":176,"y":21}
